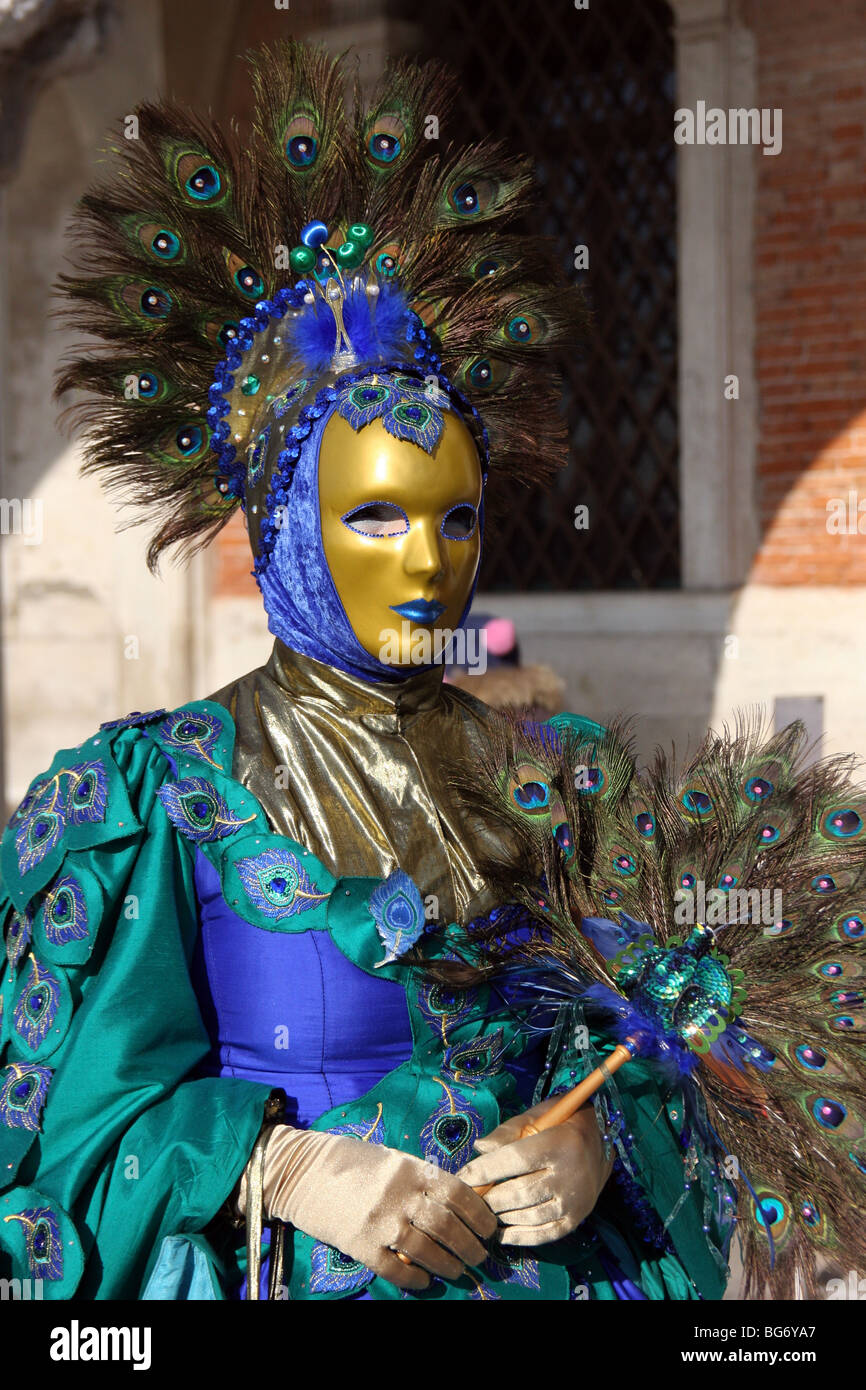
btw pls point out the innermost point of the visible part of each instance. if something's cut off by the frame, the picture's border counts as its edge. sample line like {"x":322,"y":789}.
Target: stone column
{"x":715,"y":203}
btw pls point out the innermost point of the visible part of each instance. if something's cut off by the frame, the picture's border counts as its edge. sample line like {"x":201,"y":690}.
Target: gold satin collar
{"x":394,"y":701}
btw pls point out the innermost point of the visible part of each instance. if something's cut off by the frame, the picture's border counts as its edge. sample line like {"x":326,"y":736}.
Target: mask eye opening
{"x":458,"y":523}
{"x":377,"y":520}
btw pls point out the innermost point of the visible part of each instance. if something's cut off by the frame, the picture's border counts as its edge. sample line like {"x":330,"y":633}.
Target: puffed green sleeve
{"x":109,"y":1143}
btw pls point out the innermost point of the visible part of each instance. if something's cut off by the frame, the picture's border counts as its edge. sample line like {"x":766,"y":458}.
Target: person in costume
{"x":252,"y":943}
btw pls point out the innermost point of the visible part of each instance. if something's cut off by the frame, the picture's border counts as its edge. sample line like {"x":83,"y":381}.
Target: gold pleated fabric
{"x":359,"y":772}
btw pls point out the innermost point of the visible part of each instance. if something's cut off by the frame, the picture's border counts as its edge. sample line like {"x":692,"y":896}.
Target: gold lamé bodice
{"x":359,"y":772}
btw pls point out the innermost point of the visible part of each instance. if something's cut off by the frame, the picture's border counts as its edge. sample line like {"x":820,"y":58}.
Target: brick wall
{"x":810,"y":288}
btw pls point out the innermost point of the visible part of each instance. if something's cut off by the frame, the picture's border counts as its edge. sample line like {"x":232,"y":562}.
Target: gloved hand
{"x":370,"y":1201}
{"x":547,"y":1183}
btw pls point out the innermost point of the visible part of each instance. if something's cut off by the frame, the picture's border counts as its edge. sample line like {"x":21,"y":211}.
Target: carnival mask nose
{"x":400,"y":534}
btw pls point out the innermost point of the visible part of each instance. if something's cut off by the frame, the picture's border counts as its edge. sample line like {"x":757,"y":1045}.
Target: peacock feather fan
{"x":185,"y":240}
{"x":715,"y":911}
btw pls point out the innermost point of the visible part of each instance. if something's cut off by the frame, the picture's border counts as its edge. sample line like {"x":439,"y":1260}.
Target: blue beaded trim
{"x":425,"y":363}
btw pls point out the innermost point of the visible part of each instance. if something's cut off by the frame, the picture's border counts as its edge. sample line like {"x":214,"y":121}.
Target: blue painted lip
{"x":419,"y":610}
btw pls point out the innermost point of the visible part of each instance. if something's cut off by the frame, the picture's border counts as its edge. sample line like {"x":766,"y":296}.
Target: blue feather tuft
{"x":674,"y":1059}
{"x":311,"y":337}
{"x":376,"y":329}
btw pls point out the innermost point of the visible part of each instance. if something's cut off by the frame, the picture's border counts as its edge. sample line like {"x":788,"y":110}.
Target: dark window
{"x":590,"y":95}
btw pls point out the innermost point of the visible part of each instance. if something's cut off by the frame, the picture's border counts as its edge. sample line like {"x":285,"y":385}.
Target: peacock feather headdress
{"x":233,"y":283}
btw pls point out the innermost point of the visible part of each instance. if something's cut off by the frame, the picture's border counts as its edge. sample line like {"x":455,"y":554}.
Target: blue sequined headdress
{"x":334,"y":264}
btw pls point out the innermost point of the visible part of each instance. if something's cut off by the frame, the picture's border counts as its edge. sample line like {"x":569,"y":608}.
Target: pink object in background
{"x":501,"y":636}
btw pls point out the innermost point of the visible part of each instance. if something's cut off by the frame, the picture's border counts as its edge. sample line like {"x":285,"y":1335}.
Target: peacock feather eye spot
{"x":383,"y":147}
{"x":300,"y":142}
{"x":645,"y":824}
{"x":520,"y":330}
{"x":481,"y":374}
{"x":854,"y":928}
{"x":531,"y":796}
{"x":829,"y":1113}
{"x":768,"y":834}
{"x":624,"y":864}
{"x":564,"y":838}
{"x":810,"y":1057}
{"x":843,"y":824}
{"x":698,"y":802}
{"x":810,"y":1213}
{"x":301,"y":151}
{"x":758,"y":788}
{"x":464,"y":199}
{"x":227,"y":333}
{"x":488,"y":266}
{"x":204,"y":183}
{"x":769,"y":1211}
{"x":727,"y":882}
{"x":189,"y":440}
{"x":781,"y":928}
{"x":387,"y":265}
{"x":148,"y":385}
{"x":385,"y":138}
{"x":687,"y":881}
{"x":249,"y":282}
{"x":591,"y":780}
{"x":841,"y":997}
{"x":823,"y":883}
{"x":166,"y":245}
{"x":832,"y":969}
{"x":155,"y":303}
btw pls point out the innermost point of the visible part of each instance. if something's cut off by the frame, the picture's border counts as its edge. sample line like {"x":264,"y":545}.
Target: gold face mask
{"x":400,"y":534}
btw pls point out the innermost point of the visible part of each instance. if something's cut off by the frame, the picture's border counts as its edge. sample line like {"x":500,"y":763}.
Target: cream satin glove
{"x":547,"y":1183}
{"x":369,"y":1201}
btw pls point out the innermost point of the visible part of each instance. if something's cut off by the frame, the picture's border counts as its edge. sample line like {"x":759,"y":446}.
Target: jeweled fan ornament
{"x":758,"y":1017}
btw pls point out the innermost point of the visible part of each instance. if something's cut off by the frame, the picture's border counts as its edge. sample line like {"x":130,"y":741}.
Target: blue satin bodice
{"x":290,"y":1010}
